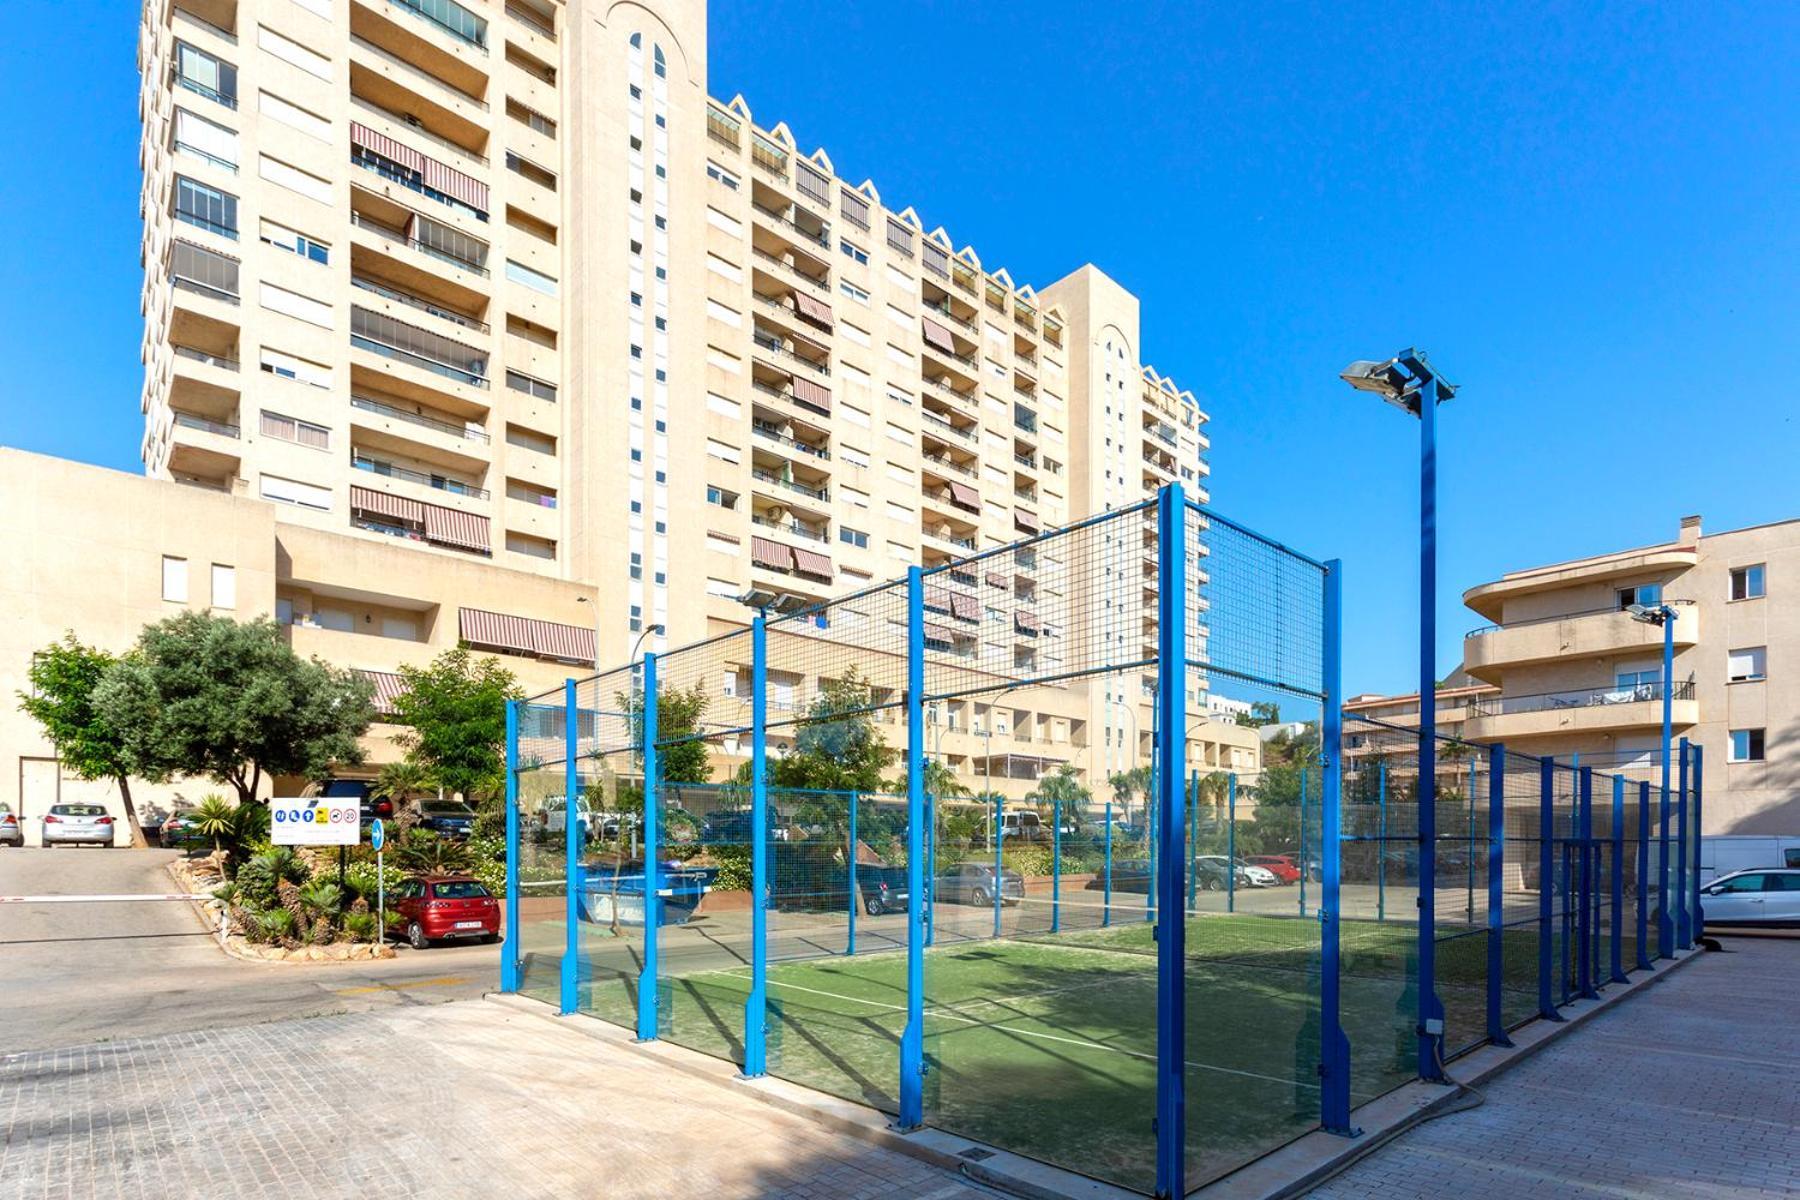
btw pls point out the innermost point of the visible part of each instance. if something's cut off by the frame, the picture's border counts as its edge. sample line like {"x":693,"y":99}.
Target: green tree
{"x":1262,"y":712}
{"x":940,"y":781}
{"x":1063,"y":786}
{"x":454,"y":710}
{"x":64,"y":679}
{"x":837,"y":747}
{"x":211,"y":696}
{"x":1126,"y":784}
{"x":681,"y":756}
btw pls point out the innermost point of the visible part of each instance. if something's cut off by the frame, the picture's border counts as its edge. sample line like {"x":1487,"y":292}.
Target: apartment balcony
{"x":417,"y":353}
{"x":942,"y":427}
{"x":414,"y":431}
{"x":944,"y":306}
{"x":724,"y":128}
{"x":791,"y":438}
{"x":434,"y":481}
{"x":946,"y":386}
{"x":950,"y":530}
{"x":789,"y":348}
{"x":792,"y":259}
{"x":1598,"y":634}
{"x":769,"y":156}
{"x":205,"y":283}
{"x":790,"y":220}
{"x":419,"y":300}
{"x":428,"y":249}
{"x":441,"y":38}
{"x":816,"y":532}
{"x":205,"y":448}
{"x":771,"y":378}
{"x":409,"y":117}
{"x":935,"y":362}
{"x":781,"y":485}
{"x":938,"y":465}
{"x":1601,"y":710}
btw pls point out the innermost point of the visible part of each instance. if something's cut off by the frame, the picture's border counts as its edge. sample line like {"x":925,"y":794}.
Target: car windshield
{"x":459,"y":889}
{"x":78,"y":810}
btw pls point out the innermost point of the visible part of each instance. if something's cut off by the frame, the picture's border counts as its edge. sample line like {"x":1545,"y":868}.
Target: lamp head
{"x":1647,"y":613}
{"x":1397,"y":380}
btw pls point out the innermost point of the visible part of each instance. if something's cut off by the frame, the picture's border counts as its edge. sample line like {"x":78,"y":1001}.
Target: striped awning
{"x":964,"y":496}
{"x":813,"y":309}
{"x":455,"y":184}
{"x":937,"y":335}
{"x":999,"y":579}
{"x":770,"y":554}
{"x":452,"y":527}
{"x":1026,"y":622}
{"x":938,"y":632}
{"x":1026,"y":521}
{"x":388,"y":688}
{"x":496,"y":631}
{"x":815,"y":396}
{"x":964,"y":606}
{"x":384,"y":504}
{"x":811,"y":562}
{"x":553,"y":639}
{"x":387,"y":147}
{"x":937,"y":599}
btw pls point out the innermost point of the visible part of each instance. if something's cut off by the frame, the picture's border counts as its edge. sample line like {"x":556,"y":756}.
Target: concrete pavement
{"x":1684,"y":1093}
{"x":72,"y":974}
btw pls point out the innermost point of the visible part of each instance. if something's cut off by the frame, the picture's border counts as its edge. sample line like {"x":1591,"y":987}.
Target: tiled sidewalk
{"x":1686,"y":1092}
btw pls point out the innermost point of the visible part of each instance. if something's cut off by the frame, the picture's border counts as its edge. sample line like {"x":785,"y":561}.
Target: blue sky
{"x":1586,"y":213}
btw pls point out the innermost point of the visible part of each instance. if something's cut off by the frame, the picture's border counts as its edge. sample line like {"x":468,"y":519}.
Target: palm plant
{"x":425,"y":853}
{"x":322,"y":898}
{"x":275,"y":925}
{"x":401,"y":782}
{"x":214,"y":818}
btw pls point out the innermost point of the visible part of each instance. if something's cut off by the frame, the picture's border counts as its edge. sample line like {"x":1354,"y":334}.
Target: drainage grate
{"x":975,"y":1154}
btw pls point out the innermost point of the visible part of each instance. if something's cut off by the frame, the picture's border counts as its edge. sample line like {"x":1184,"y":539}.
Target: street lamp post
{"x":1410,"y":383}
{"x":1665,"y":616}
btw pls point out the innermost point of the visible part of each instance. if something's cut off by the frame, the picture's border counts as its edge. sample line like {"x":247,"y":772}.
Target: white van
{"x":1725,"y":853}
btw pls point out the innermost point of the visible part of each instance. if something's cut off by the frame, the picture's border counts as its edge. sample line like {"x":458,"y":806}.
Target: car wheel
{"x":1209,"y":884}
{"x":873,"y":907}
{"x":981,"y":896}
{"x":415,"y":937}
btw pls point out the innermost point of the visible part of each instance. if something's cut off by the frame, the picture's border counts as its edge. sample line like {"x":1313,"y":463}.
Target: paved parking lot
{"x":1686,"y":1092}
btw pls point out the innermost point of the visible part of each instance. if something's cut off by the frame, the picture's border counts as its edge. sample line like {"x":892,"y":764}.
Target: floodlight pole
{"x":1665,"y":929}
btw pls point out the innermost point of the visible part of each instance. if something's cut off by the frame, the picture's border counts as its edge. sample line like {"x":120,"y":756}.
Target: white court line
{"x":1046,"y":1037}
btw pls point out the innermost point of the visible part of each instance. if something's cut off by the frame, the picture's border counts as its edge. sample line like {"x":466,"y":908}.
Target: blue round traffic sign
{"x":376,"y":834}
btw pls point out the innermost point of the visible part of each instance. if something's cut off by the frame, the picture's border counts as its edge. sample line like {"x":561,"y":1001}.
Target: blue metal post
{"x":1469,"y":847}
{"x":999,"y":858}
{"x":1170,"y":770}
{"x":1431,"y":1007}
{"x":1305,"y":858}
{"x":1106,"y":892}
{"x":509,"y":953}
{"x":1056,"y":864}
{"x":1496,"y":894}
{"x":648,"y":1000}
{"x":571,"y":960}
{"x":1152,"y":805}
{"x":912,"y":1041}
{"x":1683,"y":935}
{"x":1193,"y":793}
{"x":1665,"y":927}
{"x":1231,"y":843}
{"x":1546,"y":884}
{"x":1643,"y":877}
{"x":1584,"y":914}
{"x":1617,"y":957}
{"x":931,"y":836}
{"x":855,"y":879}
{"x":1381,"y":852}
{"x":1699,"y":923}
{"x":756,"y":1005}
{"x":1334,"y":1049}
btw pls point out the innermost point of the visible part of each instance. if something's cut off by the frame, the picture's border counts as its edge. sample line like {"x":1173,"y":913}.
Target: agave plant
{"x":322,"y":897}
{"x":360,"y":926}
{"x":276,"y":925}
{"x":214,"y":818}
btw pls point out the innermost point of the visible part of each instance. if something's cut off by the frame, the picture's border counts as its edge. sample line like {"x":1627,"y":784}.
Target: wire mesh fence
{"x":958,"y":847}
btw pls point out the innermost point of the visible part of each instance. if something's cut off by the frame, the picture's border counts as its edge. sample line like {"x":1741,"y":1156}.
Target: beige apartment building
{"x":502,"y":287}
{"x":1378,"y":724}
{"x":1576,"y":673}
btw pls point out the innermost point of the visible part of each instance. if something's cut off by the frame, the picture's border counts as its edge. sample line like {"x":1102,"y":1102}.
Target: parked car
{"x":555,"y":813}
{"x":72,"y":824}
{"x":1721,"y":854}
{"x":11,"y":832}
{"x":179,"y":832}
{"x":448,"y":819}
{"x":443,"y":907}
{"x":883,"y":889}
{"x":1254,"y":875}
{"x":1753,"y":897}
{"x":1025,"y":825}
{"x":1128,"y":875}
{"x":1281,"y":866}
{"x":973,"y":883}
{"x":358,"y":789}
{"x":1246,"y":875}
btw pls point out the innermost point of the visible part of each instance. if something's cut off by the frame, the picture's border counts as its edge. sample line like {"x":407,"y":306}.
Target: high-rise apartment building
{"x":505,"y":283}
{"x":1576,"y":674}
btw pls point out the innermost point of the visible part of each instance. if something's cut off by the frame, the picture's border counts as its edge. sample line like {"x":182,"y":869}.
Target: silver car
{"x":11,"y":832}
{"x":71,"y":824}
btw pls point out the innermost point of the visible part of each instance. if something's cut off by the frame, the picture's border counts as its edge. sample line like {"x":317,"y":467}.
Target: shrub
{"x":360,"y":926}
{"x":322,"y":897}
{"x":320,"y":934}
{"x":425,"y":853}
{"x":735,"y":867}
{"x":259,"y":880}
{"x":275,"y":926}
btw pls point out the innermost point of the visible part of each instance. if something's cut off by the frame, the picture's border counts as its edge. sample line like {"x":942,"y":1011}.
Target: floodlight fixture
{"x":1399,"y":380}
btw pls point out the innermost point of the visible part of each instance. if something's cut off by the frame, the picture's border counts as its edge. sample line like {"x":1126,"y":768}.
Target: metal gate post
{"x":1334,"y":1049}
{"x":1305,"y":858}
{"x":854,"y":877}
{"x":912,"y":1041}
{"x":647,"y":998}
{"x":999,"y":857}
{"x":1231,"y":843}
{"x":1381,"y":851}
{"x":1193,"y":832}
{"x":1617,"y":957}
{"x":1699,"y":929}
{"x":1643,"y":877}
{"x":1547,"y":885}
{"x":1584,"y":914}
{"x":1055,"y":864}
{"x":571,"y":959}
{"x":509,"y":953}
{"x":1496,"y":897}
{"x":756,"y":1005}
{"x":1170,"y":771}
{"x":1665,"y":926}
{"x":1106,"y":893}
{"x":1683,"y":936}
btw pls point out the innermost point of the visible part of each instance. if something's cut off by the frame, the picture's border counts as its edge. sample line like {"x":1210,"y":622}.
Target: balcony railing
{"x":530,"y":20}
{"x":450,"y":17}
{"x":413,"y":130}
{"x":1025,"y":419}
{"x":412,"y":301}
{"x":943,"y":310}
{"x":768,"y":155}
{"x":190,"y":421}
{"x":935,"y":462}
{"x":819,"y":285}
{"x":723,"y":127}
{"x":789,"y":484}
{"x":822,"y":237}
{"x":777,"y":347}
{"x":1637,"y":693}
{"x":967,"y":435}
{"x":201,"y":356}
{"x":382,"y":53}
{"x":775,"y":435}
{"x":790,"y":527}
{"x":393,"y":173}
{"x":441,"y":483}
{"x":454,"y":430}
{"x":363,"y":222}
{"x":383,"y":335}
{"x":1611,"y":610}
{"x":201,"y":89}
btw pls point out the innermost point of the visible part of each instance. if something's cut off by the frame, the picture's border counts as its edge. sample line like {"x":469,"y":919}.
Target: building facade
{"x":1576,"y":673}
{"x":503,"y":285}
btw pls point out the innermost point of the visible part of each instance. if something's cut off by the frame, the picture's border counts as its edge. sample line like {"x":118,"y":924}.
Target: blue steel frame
{"x":1584,"y":912}
{"x":1170,"y":769}
{"x":1617,"y":956}
{"x":756,"y":1004}
{"x":1431,"y":1006}
{"x":1683,"y":936}
{"x":1665,"y":928}
{"x":509,"y":953}
{"x":1643,"y":877}
{"x":572,"y":839}
{"x":1334,"y":1043}
{"x":647,"y":1023}
{"x":1546,"y":885}
{"x":912,"y":1040}
{"x":1699,"y":919}
{"x":1496,"y":898}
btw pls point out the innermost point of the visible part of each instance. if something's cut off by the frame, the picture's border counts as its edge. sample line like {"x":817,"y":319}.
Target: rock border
{"x":187,"y":876}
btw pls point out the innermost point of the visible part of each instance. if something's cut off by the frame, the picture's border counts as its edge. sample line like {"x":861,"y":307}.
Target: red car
{"x":1281,"y":866}
{"x":444,"y":907}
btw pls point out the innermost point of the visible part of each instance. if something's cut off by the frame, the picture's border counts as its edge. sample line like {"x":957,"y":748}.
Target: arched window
{"x":637,"y":41}
{"x":662,"y":66}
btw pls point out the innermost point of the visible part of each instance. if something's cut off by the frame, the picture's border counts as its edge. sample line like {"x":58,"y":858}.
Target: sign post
{"x":378,"y":839}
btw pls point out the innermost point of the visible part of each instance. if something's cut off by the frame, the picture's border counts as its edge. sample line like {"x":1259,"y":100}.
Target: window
{"x":854,"y":537}
{"x":537,"y":281}
{"x":224,"y":586}
{"x":1648,"y":680}
{"x":1747,"y":582}
{"x":210,"y":142}
{"x":855,"y":208}
{"x":1646,"y":594}
{"x":854,"y":251}
{"x":1746,"y":744}
{"x":293,"y":53}
{"x":531,"y":118}
{"x":206,"y":207}
{"x":294,"y":242}
{"x":851,"y":290}
{"x":1750,"y":663}
{"x":292,"y":115}
{"x":292,"y":491}
{"x":174,"y":580}
{"x":290,"y":429}
{"x":294,"y":179}
{"x":201,"y":73}
{"x":530,"y":170}
{"x":537,"y":389}
{"x":293,"y":304}
{"x":721,"y":497}
{"x":286,"y":366}
{"x":715,"y":171}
